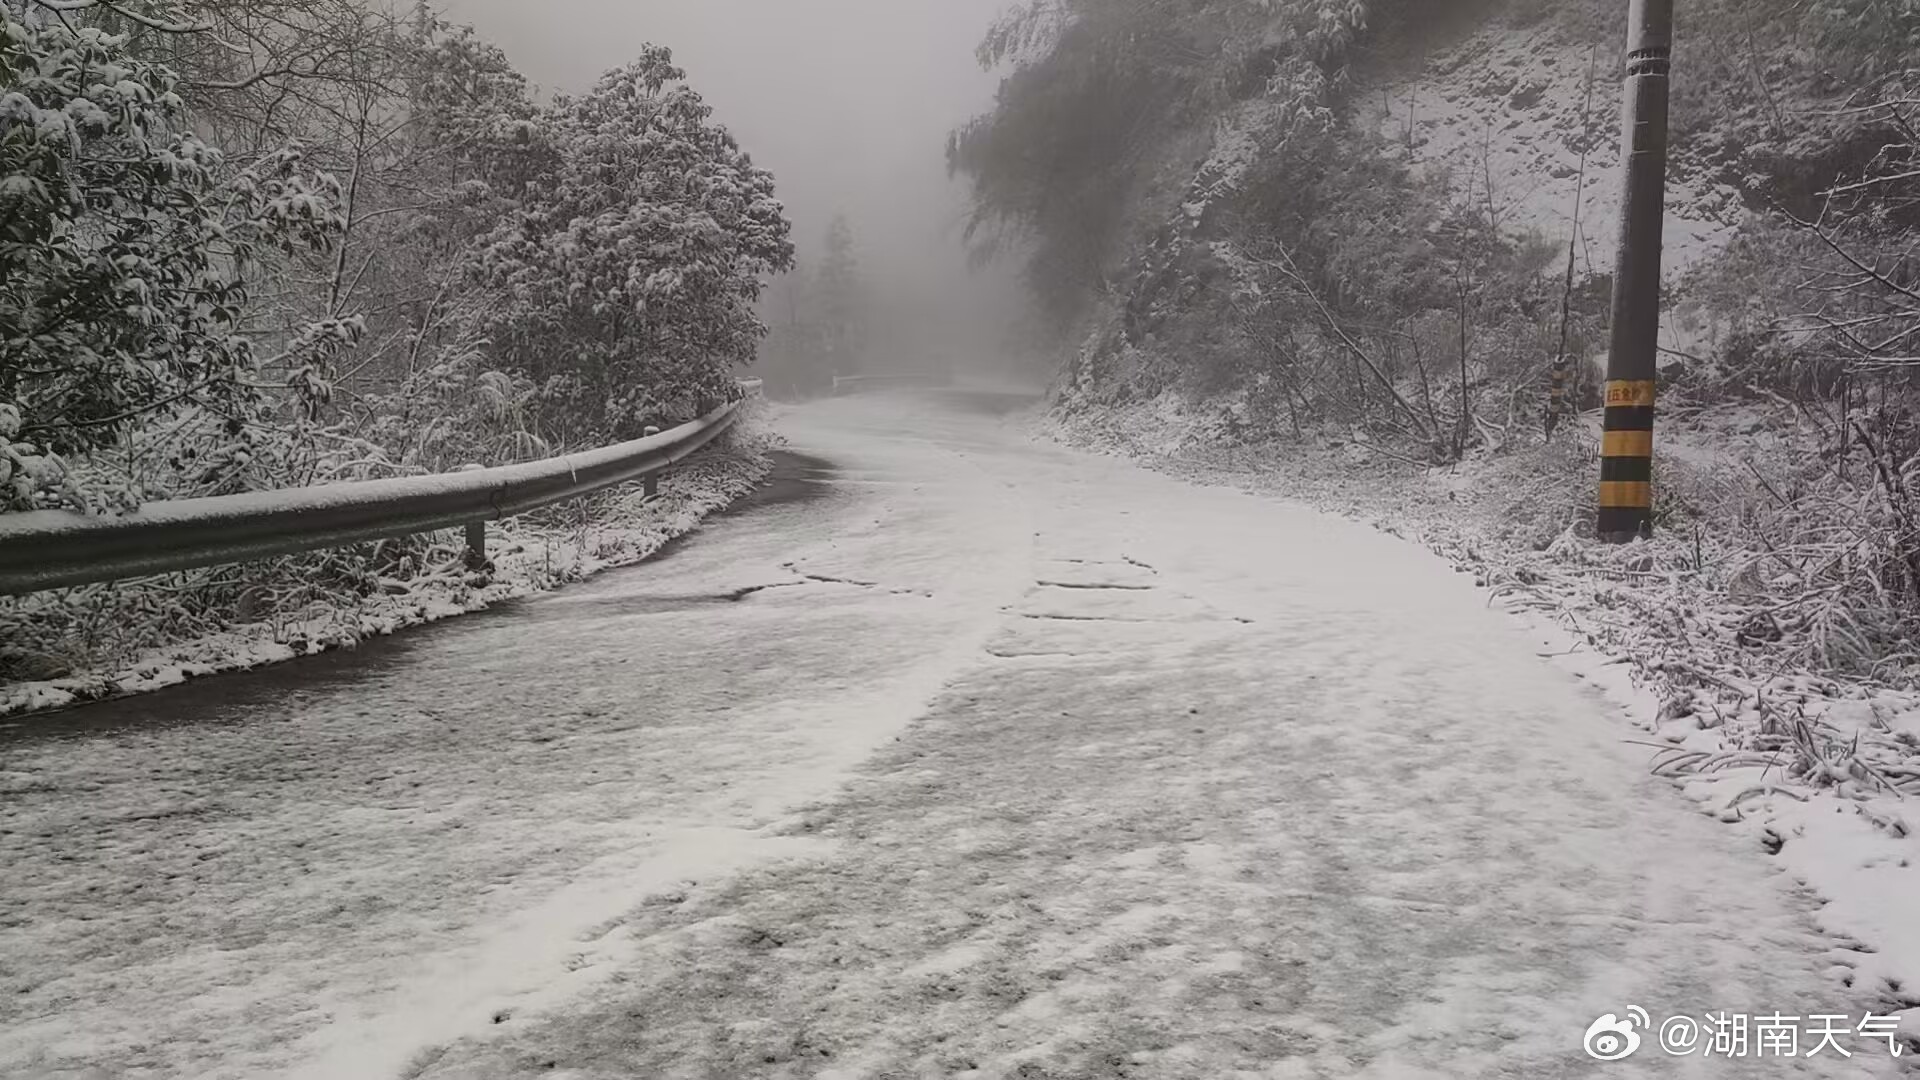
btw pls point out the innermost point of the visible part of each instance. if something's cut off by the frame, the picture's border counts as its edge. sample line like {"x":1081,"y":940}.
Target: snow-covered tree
{"x":840,"y":296}
{"x":437,"y":144}
{"x":630,"y":274}
{"x":794,"y":358}
{"x":477,"y":112}
{"x":126,"y":251}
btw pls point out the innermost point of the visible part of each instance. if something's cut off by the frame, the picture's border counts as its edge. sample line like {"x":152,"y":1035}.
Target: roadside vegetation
{"x":272,"y":243}
{"x":1305,"y":227}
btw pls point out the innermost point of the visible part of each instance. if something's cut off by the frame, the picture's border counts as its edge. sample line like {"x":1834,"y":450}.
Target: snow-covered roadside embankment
{"x":1819,"y":768}
{"x":530,"y":554}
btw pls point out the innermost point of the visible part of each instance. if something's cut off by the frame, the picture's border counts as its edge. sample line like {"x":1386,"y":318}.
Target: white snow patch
{"x":511,"y":967}
{"x":1859,"y":854}
{"x":1508,"y":104}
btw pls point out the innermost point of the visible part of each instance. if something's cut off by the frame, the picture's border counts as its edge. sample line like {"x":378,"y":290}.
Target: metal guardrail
{"x":847,"y":383}
{"x":48,"y":549}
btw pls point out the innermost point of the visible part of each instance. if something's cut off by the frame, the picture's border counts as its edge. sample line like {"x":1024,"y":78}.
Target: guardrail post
{"x":476,"y":544}
{"x":650,"y":484}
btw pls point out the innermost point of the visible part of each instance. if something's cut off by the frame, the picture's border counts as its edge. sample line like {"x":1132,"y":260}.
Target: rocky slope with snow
{"x":1533,"y":112}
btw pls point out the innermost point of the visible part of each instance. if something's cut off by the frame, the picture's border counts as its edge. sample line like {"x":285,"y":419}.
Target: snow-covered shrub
{"x":1838,"y":551}
{"x":125,"y":256}
{"x":454,"y":411}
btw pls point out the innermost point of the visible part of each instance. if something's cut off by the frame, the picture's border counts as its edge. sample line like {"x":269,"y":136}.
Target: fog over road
{"x":966,"y":755}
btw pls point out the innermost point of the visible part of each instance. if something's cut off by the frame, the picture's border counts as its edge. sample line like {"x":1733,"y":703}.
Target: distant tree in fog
{"x":840,"y":297}
{"x":793,"y":359}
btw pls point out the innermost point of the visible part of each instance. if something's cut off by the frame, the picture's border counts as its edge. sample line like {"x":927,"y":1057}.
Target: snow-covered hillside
{"x":1508,"y":108}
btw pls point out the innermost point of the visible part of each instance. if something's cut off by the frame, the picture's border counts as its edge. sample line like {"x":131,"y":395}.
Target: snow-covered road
{"x":993,"y":760}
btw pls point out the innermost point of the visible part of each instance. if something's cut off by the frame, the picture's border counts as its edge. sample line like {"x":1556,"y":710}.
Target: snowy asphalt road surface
{"x":993,"y":760}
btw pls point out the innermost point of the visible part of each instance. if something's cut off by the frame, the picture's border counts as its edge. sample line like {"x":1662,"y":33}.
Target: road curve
{"x":994,"y":759}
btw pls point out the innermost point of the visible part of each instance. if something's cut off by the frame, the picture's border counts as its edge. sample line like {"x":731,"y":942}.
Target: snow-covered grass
{"x":1749,"y":716}
{"x":122,"y":638}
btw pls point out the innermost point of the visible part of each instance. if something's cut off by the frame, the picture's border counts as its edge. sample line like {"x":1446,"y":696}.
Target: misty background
{"x":848,"y":102}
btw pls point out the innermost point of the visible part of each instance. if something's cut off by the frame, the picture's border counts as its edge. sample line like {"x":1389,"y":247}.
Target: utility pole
{"x":1626,"y":462}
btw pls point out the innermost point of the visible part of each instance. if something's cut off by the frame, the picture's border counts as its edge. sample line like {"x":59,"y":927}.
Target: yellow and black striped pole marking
{"x":1626,"y":455}
{"x":1626,"y":461}
{"x":1557,"y":395}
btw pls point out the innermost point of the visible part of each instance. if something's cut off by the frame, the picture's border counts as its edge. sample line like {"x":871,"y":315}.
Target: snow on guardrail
{"x":48,"y":549}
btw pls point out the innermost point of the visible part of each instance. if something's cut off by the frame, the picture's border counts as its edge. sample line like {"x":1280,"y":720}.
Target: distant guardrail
{"x":49,"y":549}
{"x":843,"y":384}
